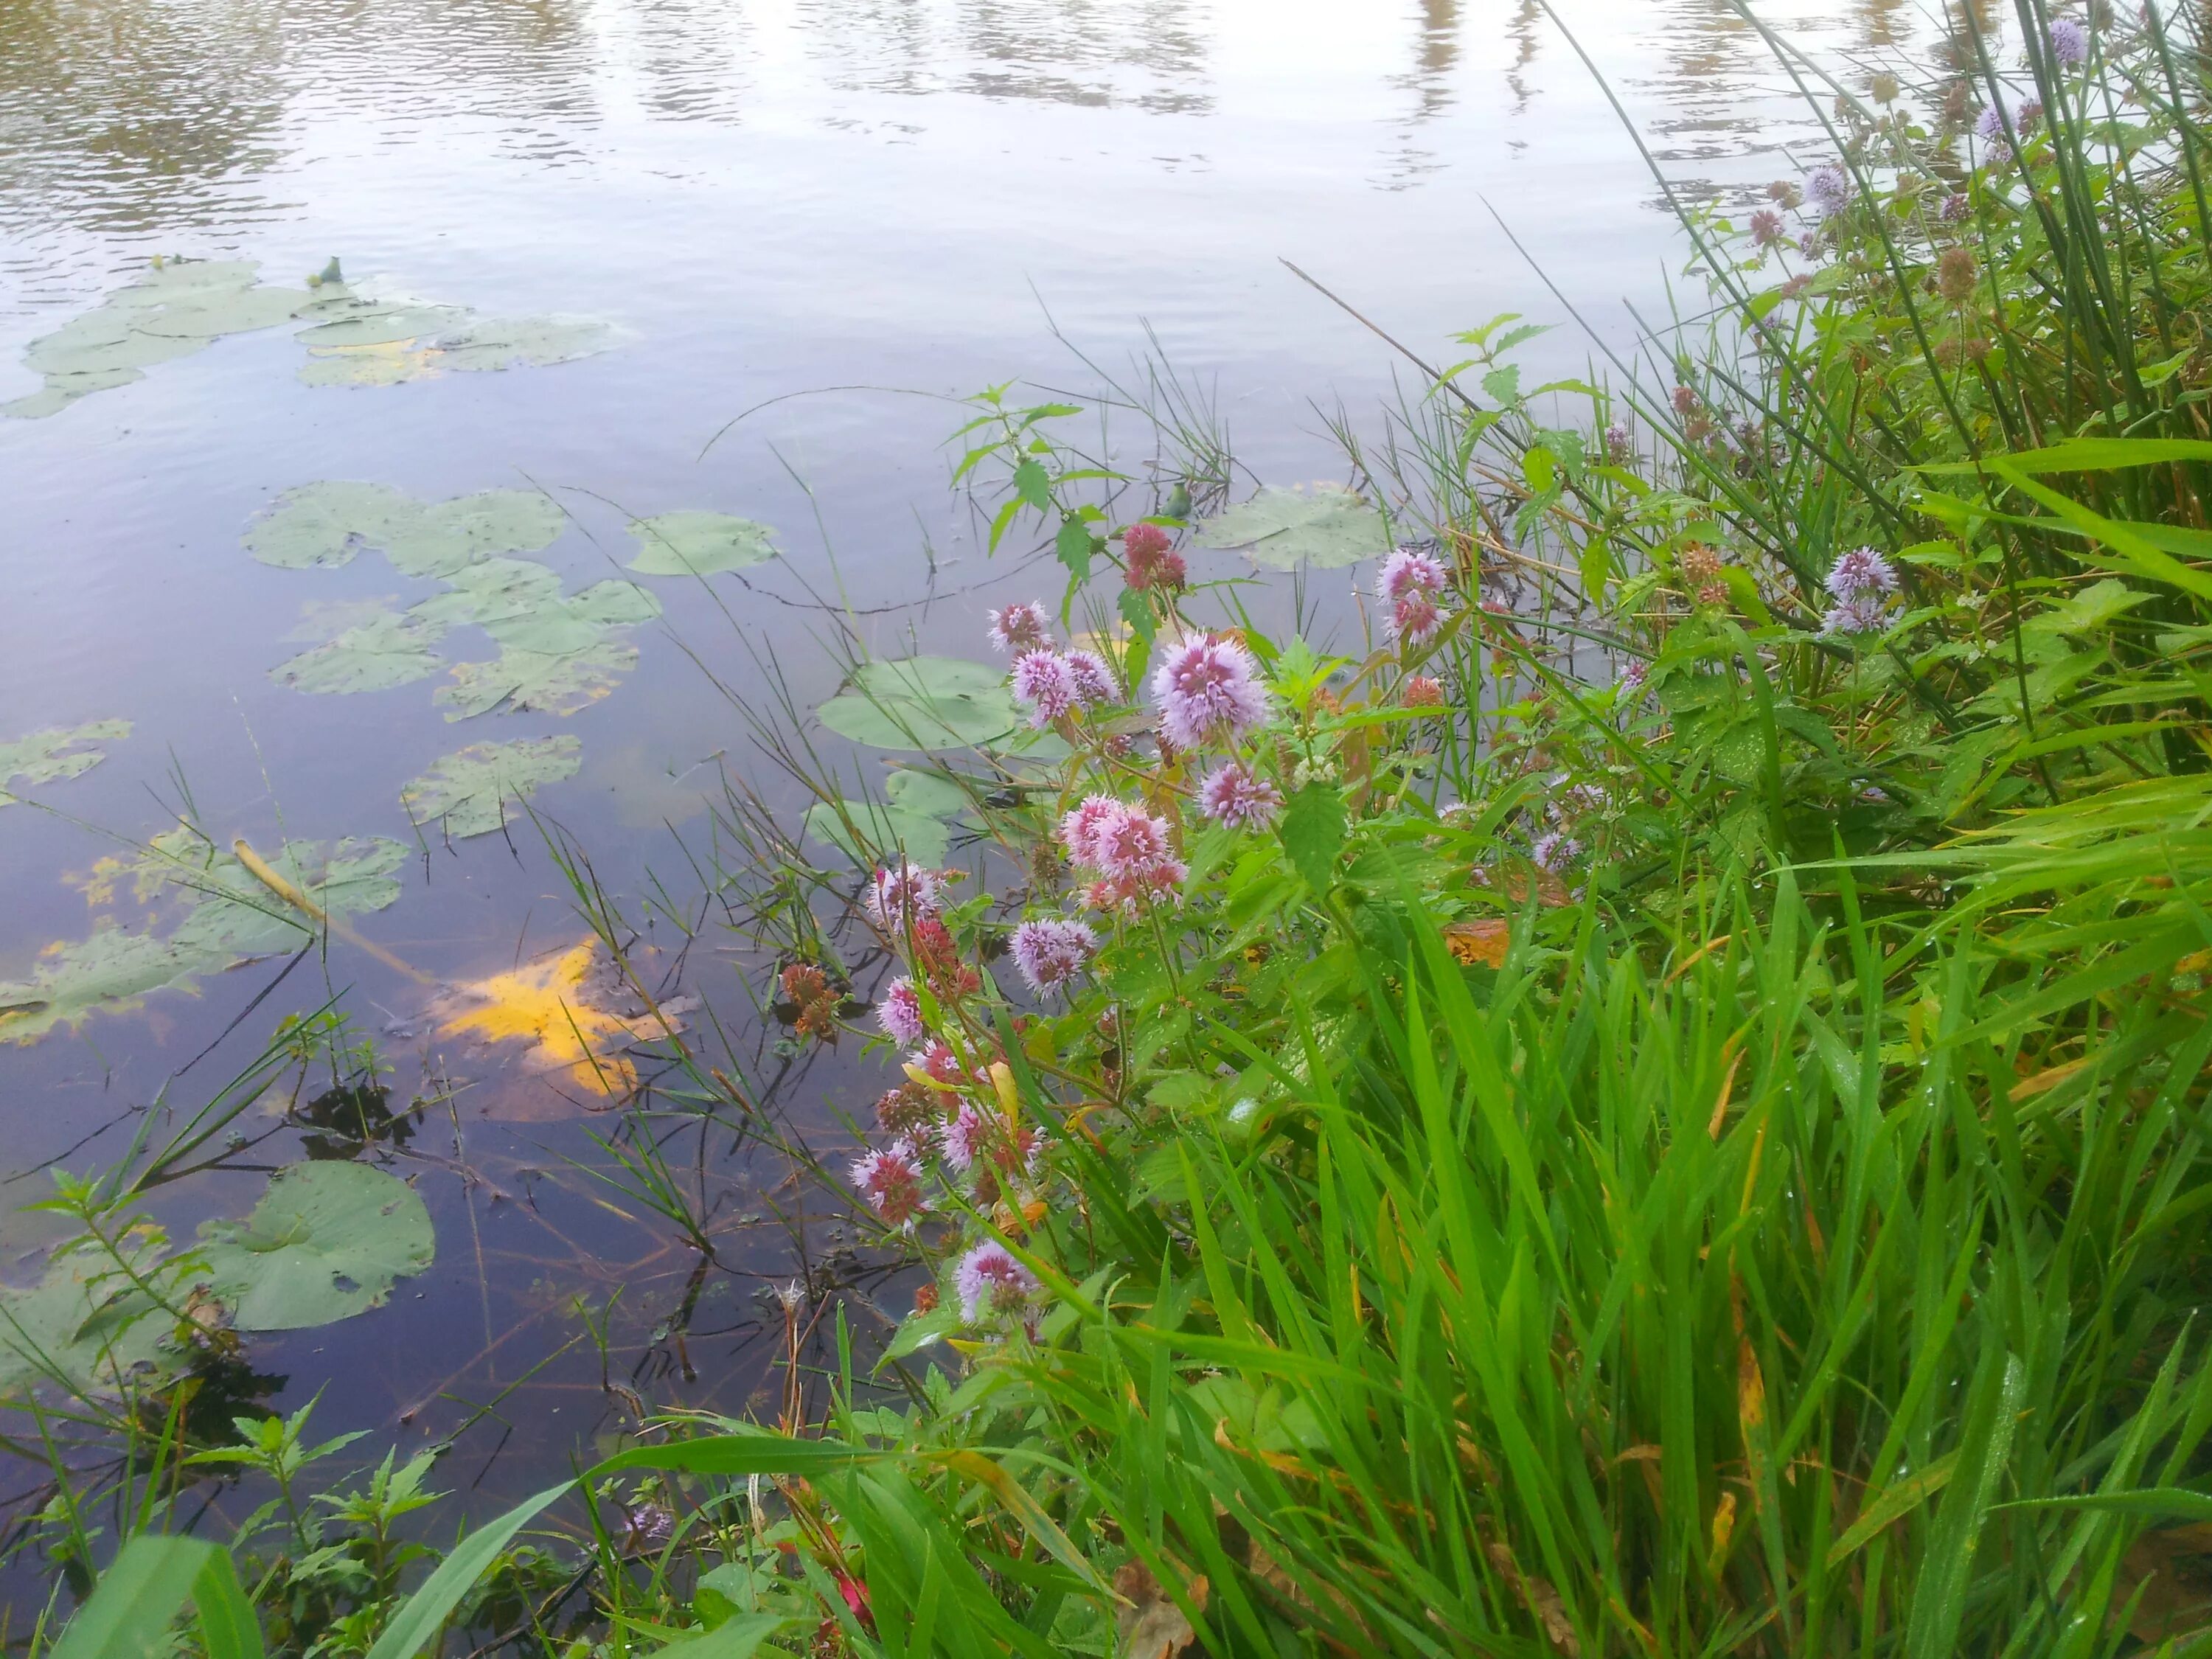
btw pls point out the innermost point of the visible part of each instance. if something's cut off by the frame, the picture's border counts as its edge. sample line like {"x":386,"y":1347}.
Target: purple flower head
{"x":1239,"y":796}
{"x":1408,"y":570}
{"x":1828,"y":188}
{"x":1809,"y":244}
{"x":1555,"y":850}
{"x":1415,"y":620}
{"x":1619,"y":446}
{"x":1131,"y":843}
{"x":1990,"y":127}
{"x":1024,"y":627}
{"x":966,"y":1138}
{"x":900,"y":1014}
{"x":1765,"y":227}
{"x":1955,"y":207}
{"x":891,"y":1181}
{"x":1862,"y":574}
{"x":1633,"y":675}
{"x":990,"y":1281}
{"x":1864,"y":614}
{"x":2069,"y":42}
{"x":935,"y":1059}
{"x":1079,"y":830}
{"x":1051,"y":952}
{"x":1208,"y":687}
{"x":897,"y":899}
{"x":1043,"y":681}
{"x":1093,"y":680}
{"x":2029,"y":115}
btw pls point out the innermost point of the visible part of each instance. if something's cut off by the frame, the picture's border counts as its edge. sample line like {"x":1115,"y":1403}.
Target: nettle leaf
{"x":1325,"y":528}
{"x":201,"y":912}
{"x":325,"y":1243}
{"x":924,"y":702}
{"x":386,"y":651}
{"x":699,"y":544}
{"x":1313,"y":832}
{"x":467,"y":793}
{"x":55,"y":755}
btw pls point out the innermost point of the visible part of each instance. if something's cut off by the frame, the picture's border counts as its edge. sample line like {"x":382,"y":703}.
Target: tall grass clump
{"x":1654,"y":1104}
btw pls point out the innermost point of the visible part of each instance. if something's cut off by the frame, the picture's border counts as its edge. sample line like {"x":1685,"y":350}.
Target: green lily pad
{"x":85,"y":1326}
{"x":492,"y":593}
{"x":374,"y":325}
{"x":376,"y":655}
{"x":323,"y":619}
{"x":175,"y":280}
{"x":883,"y":828}
{"x":1284,"y":529}
{"x":202,"y":912}
{"x":61,"y":390}
{"x":699,"y":544}
{"x":535,"y":680}
{"x":449,"y":537}
{"x":500,"y":343}
{"x":325,"y":1243}
{"x":55,"y":755}
{"x":210,"y":315}
{"x":356,"y":366}
{"x":467,"y":793}
{"x":930,"y":793}
{"x":327,"y":523}
{"x":924,"y":702}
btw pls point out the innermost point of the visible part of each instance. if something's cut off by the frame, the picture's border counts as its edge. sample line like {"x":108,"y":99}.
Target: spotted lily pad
{"x":1284,"y":529}
{"x":924,"y":702}
{"x":325,"y":1243}
{"x":450,"y":536}
{"x":468,"y":793}
{"x":375,"y":655}
{"x":195,"y":911}
{"x":699,"y":544}
{"x":327,"y":523}
{"x":533,"y":680}
{"x":55,"y":755}
{"x":85,"y":1326}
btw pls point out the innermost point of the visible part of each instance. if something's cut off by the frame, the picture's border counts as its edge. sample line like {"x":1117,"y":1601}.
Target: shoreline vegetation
{"x":1655,"y":1106}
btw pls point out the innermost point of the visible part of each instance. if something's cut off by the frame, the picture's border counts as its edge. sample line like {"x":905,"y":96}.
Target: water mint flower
{"x":990,"y":1281}
{"x":1409,"y":570}
{"x":1208,"y":688}
{"x":1238,"y":797}
{"x":1044,"y":682}
{"x":891,"y":1182}
{"x":1094,"y":681}
{"x":1829,"y":188}
{"x":1051,"y":952}
{"x":898,"y":898}
{"x":900,"y":1014}
{"x":1861,"y":574}
{"x":2069,"y":42}
{"x":1023,"y":627}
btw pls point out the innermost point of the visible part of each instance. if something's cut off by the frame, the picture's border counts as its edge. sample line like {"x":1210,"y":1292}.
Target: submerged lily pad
{"x":467,"y":793}
{"x":325,"y":1243}
{"x":386,"y":651}
{"x":499,"y":343}
{"x":204,"y":912}
{"x":924,"y":702}
{"x":55,"y":755}
{"x":368,"y":324}
{"x":1284,"y":529}
{"x":534,"y":680}
{"x":699,"y":544}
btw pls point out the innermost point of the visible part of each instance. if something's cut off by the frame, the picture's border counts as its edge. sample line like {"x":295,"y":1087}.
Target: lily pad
{"x":84,"y":1326}
{"x":207,"y":315}
{"x":490,"y":594}
{"x":521,"y":343}
{"x":325,"y":1243}
{"x":1284,"y":529}
{"x":57,"y":754}
{"x":924,"y":702}
{"x":550,"y":685}
{"x":467,"y":792}
{"x":373,"y":324}
{"x":699,"y":544}
{"x":327,"y":523}
{"x":881,"y":829}
{"x":452,"y":535}
{"x":376,"y":655}
{"x":202,"y":912}
{"x":372,"y":365}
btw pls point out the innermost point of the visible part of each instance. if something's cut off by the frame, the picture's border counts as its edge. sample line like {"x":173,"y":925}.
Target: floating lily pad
{"x":467,"y":793}
{"x":1284,"y":529}
{"x":370,"y":325}
{"x":699,"y":544}
{"x":322,"y":620}
{"x":61,"y":390}
{"x":451,"y":536}
{"x":533,"y":680}
{"x":924,"y":702}
{"x":203,"y":912}
{"x":84,"y":1326}
{"x":521,"y":343}
{"x":883,"y":828}
{"x":55,"y":755}
{"x":386,"y":651}
{"x":203,"y":316}
{"x":325,"y":1243}
{"x":495,"y":592}
{"x":327,"y":523}
{"x":376,"y":365}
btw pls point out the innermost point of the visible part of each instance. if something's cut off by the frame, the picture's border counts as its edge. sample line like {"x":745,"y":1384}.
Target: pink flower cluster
{"x":1234,"y":794}
{"x":900,"y":1012}
{"x":1860,"y":581}
{"x":1153,"y":559}
{"x":990,"y":1281}
{"x":1024,"y":627}
{"x":977,"y":1137}
{"x":898,"y":899}
{"x":1054,"y":684}
{"x":891,"y":1181}
{"x":1411,"y":582}
{"x":1208,"y":690}
{"x":1050,"y":951}
{"x":1128,"y":847}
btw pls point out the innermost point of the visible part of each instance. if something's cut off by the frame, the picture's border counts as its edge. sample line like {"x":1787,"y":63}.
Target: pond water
{"x":835,"y":214}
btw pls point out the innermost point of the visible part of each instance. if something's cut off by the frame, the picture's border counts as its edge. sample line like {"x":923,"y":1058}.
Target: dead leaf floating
{"x":554,"y":1007}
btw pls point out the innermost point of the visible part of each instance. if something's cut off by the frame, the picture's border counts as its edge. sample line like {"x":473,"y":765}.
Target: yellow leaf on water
{"x":548,"y":1005}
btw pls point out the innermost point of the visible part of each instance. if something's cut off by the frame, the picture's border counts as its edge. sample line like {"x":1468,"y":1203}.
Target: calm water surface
{"x":767,"y":197}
